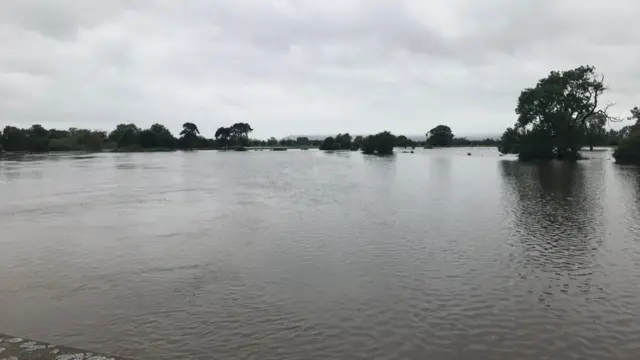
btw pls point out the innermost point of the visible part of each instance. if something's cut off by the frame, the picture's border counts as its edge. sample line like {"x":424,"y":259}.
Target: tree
{"x":403,"y":141}
{"x":552,"y":116}
{"x":329,"y":144}
{"x":440,"y":135}
{"x":58,"y":134}
{"x":90,"y":140}
{"x":240,"y":133}
{"x":223,"y":135}
{"x":344,"y":141}
{"x":164,"y":138}
{"x":357,"y":143}
{"x":384,"y":143}
{"x":14,"y":139}
{"x":189,"y":129}
{"x":156,"y":137}
{"x":381,"y":143}
{"x":302,"y":141}
{"x":628,"y":151}
{"x":595,"y":132}
{"x":125,"y":135}
{"x":189,"y":135}
{"x":272,"y":142}
{"x":38,"y":138}
{"x":461,"y":141}
{"x":287,"y":142}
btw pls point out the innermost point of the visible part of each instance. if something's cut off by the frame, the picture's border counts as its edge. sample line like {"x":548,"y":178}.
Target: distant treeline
{"x":125,"y":137}
{"x":129,"y":137}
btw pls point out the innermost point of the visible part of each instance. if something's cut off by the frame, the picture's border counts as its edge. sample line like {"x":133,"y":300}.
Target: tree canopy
{"x":340,"y":142}
{"x":381,"y":143}
{"x":403,"y":141}
{"x":556,"y":116}
{"x":628,"y":152}
{"x":440,"y":136}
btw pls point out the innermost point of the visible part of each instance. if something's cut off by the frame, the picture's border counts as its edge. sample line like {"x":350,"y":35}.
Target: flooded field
{"x":311,"y":255}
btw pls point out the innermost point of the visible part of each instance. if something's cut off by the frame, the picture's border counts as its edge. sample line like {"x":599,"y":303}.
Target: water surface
{"x":311,"y":255}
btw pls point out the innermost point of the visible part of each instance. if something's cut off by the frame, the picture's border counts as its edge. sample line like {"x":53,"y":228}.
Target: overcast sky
{"x":303,"y":66}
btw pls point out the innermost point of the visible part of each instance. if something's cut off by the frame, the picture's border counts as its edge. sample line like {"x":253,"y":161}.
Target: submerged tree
{"x":125,"y":135}
{"x":14,"y":139}
{"x":440,"y":136}
{"x":628,"y":152}
{"x":344,"y":141}
{"x":223,"y":135}
{"x":553,"y":115}
{"x":403,"y":141}
{"x":595,"y":132}
{"x":329,"y":144}
{"x":157,"y":137}
{"x":381,"y":143}
{"x":240,"y":133}
{"x":189,"y":135}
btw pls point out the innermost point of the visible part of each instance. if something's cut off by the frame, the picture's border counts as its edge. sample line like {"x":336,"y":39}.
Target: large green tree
{"x":302,"y":141}
{"x":223,"y":135}
{"x":240,"y":133}
{"x":157,"y":136}
{"x":329,"y":143}
{"x":553,"y":115}
{"x":189,"y":136}
{"x":125,"y":135}
{"x":440,"y":136}
{"x":381,"y":143}
{"x":628,"y":151}
{"x":14,"y":139}
{"x":38,"y":138}
{"x":403,"y":141}
{"x":344,"y":140}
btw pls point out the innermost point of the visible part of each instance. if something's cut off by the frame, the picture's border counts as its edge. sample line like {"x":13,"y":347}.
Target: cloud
{"x":302,"y":66}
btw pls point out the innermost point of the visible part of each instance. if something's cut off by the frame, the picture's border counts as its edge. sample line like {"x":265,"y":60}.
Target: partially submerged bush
{"x":629,"y":150}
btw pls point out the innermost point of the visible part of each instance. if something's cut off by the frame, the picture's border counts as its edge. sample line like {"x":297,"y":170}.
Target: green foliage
{"x":189,"y":136}
{"x":223,"y":136}
{"x":440,"y":136}
{"x":330,"y":144}
{"x":344,"y":141}
{"x":629,"y":150}
{"x":272,"y":142}
{"x":403,"y":141}
{"x":236,"y":135}
{"x":381,"y":143}
{"x":14,"y":139}
{"x":510,"y":142}
{"x":303,"y":141}
{"x":125,"y":135}
{"x":556,"y":116}
{"x":240,"y":133}
{"x":595,"y":132}
{"x":39,"y":139}
{"x":340,"y":142}
{"x":461,"y":141}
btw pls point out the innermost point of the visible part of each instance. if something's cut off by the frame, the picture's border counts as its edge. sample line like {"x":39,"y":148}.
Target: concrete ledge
{"x":15,"y":348}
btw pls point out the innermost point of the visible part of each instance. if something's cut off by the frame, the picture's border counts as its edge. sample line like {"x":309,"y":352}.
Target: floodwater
{"x":311,"y":255}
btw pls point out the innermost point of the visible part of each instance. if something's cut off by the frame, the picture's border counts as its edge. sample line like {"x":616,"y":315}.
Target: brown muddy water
{"x":311,"y":255}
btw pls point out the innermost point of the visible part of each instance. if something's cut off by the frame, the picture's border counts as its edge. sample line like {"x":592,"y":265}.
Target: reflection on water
{"x":290,"y":255}
{"x":556,"y":210}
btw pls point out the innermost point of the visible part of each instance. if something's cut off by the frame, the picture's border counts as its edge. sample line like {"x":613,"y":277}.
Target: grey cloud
{"x":306,"y":66}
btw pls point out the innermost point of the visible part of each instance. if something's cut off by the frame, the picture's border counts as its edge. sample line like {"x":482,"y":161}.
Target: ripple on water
{"x":311,"y":255}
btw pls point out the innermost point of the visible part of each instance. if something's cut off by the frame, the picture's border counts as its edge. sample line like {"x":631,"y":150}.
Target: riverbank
{"x":16,"y":348}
